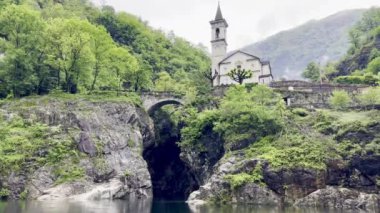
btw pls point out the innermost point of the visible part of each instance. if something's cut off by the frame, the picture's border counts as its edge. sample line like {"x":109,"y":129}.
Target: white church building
{"x":223,"y":63}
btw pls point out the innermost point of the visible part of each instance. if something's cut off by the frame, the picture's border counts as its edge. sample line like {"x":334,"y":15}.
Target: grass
{"x":69,"y":173}
{"x":238,"y":180}
{"x":101,"y":97}
{"x":347,"y":117}
{"x":26,"y":145}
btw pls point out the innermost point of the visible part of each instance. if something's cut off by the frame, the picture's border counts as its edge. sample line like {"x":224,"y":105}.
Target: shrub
{"x":300,"y":112}
{"x":374,"y":66}
{"x":69,"y":173}
{"x":370,"y":97}
{"x":350,"y":79}
{"x":4,"y":193}
{"x":256,"y":176}
{"x":294,"y":150}
{"x":238,"y":180}
{"x":340,"y":100}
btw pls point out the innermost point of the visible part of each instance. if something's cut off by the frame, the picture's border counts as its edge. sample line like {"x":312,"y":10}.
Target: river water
{"x":139,"y":207}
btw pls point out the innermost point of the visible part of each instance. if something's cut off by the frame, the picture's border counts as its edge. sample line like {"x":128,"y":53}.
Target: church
{"x":223,"y":63}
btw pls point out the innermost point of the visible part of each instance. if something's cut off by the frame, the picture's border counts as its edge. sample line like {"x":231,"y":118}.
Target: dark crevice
{"x":171,"y":178}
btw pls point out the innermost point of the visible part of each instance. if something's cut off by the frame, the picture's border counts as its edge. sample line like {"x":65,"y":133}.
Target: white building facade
{"x":223,"y":63}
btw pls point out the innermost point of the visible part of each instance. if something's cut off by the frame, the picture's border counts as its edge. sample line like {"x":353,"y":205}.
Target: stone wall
{"x":306,"y":94}
{"x":311,"y":95}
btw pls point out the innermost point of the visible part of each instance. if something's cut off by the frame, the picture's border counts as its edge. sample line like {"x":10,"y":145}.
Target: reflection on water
{"x":140,"y":206}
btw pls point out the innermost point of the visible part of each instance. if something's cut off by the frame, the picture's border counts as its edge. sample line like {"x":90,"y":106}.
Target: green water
{"x":140,"y":207}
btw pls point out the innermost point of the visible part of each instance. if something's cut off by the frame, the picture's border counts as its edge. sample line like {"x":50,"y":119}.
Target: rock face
{"x":218,"y":188}
{"x":300,"y":187}
{"x":202,"y":161}
{"x":113,"y":133}
{"x":335,"y":197}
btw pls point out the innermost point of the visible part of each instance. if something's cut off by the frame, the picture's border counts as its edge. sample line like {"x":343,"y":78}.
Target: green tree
{"x":71,"y":56}
{"x":141,"y":78}
{"x":374,"y":66}
{"x":239,"y":75}
{"x":243,"y":119}
{"x":340,"y":100}
{"x":264,"y":96}
{"x":370,"y":20}
{"x":121,"y":65}
{"x":329,"y":70}
{"x":21,"y":30}
{"x":100,"y":44}
{"x":312,"y":72}
{"x":165,"y":82}
{"x":354,"y":35}
{"x":156,"y":50}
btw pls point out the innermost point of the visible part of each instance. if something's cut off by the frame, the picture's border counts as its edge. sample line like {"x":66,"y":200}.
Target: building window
{"x":217,"y":32}
{"x":238,"y":67}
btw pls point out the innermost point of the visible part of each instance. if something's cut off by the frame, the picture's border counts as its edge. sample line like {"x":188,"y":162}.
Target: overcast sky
{"x":249,"y":20}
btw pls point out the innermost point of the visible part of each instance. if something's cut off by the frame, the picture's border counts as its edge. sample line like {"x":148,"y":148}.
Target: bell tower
{"x":218,"y":43}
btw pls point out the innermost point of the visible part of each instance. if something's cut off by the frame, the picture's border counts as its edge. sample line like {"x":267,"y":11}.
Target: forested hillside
{"x":290,"y":51}
{"x":75,"y":47}
{"x":361,"y":63}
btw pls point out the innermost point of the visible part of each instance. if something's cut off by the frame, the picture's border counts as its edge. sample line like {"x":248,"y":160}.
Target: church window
{"x":217,"y":32}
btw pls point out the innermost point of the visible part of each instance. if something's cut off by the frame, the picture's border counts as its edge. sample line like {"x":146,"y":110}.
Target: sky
{"x":249,"y":20}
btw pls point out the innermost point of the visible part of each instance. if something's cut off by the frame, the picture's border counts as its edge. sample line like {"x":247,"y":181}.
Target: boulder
{"x":343,"y":198}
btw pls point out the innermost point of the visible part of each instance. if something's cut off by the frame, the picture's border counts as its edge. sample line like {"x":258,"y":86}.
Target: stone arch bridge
{"x":154,"y":100}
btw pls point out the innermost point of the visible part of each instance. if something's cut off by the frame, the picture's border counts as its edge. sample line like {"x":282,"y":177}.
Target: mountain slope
{"x":290,"y":51}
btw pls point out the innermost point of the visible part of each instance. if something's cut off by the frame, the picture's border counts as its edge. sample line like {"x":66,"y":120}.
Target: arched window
{"x":217,"y":32}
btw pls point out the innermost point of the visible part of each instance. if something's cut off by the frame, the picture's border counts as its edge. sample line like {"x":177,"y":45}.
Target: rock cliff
{"x":110,"y":136}
{"x":348,"y":181}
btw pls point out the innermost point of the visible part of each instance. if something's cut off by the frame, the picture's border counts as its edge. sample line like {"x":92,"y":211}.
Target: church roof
{"x":238,"y":51}
{"x":219,"y":15}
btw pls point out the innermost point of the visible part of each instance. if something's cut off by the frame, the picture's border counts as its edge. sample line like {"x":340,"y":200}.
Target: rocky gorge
{"x":122,"y":152}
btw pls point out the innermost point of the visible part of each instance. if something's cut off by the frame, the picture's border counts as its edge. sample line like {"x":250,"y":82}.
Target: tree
{"x":371,"y":97}
{"x":374,"y":66}
{"x":329,"y":70}
{"x":121,"y":65}
{"x":165,"y":83}
{"x":140,"y":78}
{"x":354,"y":35}
{"x":312,"y":72}
{"x":101,"y":43}
{"x":370,"y":20}
{"x":243,"y":119}
{"x":340,"y":99}
{"x":21,"y":30}
{"x":239,"y":75}
{"x":209,"y":76}
{"x":156,"y":51}
{"x":264,"y":96}
{"x":70,"y":54}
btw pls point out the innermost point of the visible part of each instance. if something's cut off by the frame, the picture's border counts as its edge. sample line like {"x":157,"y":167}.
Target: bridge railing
{"x":144,"y":92}
{"x":162,"y":94}
{"x":315,"y":87}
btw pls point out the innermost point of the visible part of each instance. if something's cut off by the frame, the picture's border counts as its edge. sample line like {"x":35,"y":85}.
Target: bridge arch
{"x":155,"y":100}
{"x":162,"y":103}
